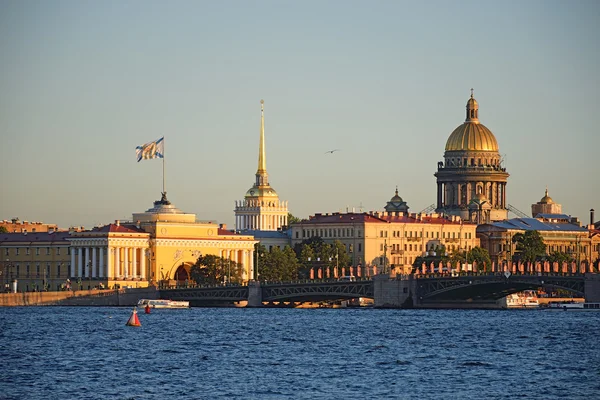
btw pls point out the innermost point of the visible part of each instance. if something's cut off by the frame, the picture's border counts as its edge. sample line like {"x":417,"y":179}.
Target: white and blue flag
{"x":155,"y":149}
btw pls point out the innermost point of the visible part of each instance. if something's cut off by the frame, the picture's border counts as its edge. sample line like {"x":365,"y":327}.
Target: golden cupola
{"x":472,"y":135}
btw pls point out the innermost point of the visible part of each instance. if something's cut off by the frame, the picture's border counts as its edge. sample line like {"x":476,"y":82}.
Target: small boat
{"x":574,"y":306}
{"x":525,"y":299}
{"x":163,"y":303}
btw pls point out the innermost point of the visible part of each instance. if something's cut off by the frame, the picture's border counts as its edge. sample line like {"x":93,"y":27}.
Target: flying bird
{"x":331,"y":151}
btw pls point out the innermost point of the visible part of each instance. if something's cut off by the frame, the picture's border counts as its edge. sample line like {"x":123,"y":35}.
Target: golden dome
{"x":472,"y":136}
{"x":546,"y":199}
{"x":267,"y":191}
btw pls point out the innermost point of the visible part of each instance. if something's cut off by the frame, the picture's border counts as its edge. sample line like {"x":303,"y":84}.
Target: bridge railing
{"x":487,"y":273}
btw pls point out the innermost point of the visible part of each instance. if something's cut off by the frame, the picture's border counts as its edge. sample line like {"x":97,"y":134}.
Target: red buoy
{"x":147,"y":309}
{"x":133,"y":319}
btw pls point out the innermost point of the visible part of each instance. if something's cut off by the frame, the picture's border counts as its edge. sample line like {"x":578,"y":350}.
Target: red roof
{"x":114,"y":228}
{"x":349,"y":218}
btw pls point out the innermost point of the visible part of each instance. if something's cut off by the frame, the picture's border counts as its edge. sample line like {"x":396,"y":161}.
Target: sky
{"x":82,"y":83}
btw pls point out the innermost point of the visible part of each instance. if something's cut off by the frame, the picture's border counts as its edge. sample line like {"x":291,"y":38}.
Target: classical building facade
{"x":159,"y":245}
{"x":471,"y":181}
{"x":384,"y":239}
{"x":35,"y":260}
{"x":261,"y":209}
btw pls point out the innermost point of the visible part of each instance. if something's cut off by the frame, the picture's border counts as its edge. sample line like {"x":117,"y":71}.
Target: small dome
{"x":546,"y":199}
{"x":261,"y":192}
{"x":396,"y":198}
{"x":479,"y":200}
{"x":472,"y":137}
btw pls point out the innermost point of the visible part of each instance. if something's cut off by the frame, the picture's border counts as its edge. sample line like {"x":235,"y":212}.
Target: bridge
{"x":298,"y":291}
{"x":403,"y":291}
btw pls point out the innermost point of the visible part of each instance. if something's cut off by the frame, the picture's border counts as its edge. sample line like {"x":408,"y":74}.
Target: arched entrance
{"x":181,"y":274}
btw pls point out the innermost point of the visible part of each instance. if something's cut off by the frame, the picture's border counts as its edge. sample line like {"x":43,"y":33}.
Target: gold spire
{"x":472,"y":110}
{"x":261,"y":173}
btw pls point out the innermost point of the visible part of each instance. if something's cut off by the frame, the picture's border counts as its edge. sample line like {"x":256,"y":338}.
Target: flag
{"x":150,"y":150}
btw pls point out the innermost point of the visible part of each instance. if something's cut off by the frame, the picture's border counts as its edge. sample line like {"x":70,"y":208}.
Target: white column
{"x":252,"y":274}
{"x":134,"y":272}
{"x":143,"y":263}
{"x":126,"y":262}
{"x":94,"y":265}
{"x":118,"y":262}
{"x":80,"y":262}
{"x":86,"y":267}
{"x":72,"y":261}
{"x":110,"y":262}
{"x":101,"y":273}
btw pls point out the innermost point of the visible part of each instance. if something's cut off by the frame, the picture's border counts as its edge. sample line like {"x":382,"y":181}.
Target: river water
{"x":210,"y":353}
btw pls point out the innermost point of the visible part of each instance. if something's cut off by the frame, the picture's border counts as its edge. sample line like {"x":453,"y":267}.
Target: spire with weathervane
{"x":262,"y":178}
{"x":261,"y":208}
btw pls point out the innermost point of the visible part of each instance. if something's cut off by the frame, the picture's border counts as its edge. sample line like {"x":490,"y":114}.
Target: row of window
{"x":419,"y":247}
{"x":17,"y":251}
{"x":419,"y":234}
{"x":60,"y":270}
{"x":329,"y":233}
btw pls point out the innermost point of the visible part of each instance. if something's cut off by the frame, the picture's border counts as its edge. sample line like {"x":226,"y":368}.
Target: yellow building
{"x":161,"y":245}
{"x":34,"y":260}
{"x":385,"y":239}
{"x":545,"y":206}
{"x":261,"y":209}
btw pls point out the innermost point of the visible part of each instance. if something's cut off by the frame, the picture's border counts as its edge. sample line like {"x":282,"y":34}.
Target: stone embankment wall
{"x":120,"y":297}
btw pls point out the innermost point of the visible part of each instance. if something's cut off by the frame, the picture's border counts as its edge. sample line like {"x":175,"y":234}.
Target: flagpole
{"x":164,"y":191}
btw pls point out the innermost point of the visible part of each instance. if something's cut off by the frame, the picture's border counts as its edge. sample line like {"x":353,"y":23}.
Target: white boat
{"x":163,"y":303}
{"x":525,"y":299}
{"x":574,"y":306}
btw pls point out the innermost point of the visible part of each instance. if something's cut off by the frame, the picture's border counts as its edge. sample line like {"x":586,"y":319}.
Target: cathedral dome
{"x":472,"y":135}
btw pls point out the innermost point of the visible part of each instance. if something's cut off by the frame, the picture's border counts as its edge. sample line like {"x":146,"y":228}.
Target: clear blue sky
{"x":83,"y":82}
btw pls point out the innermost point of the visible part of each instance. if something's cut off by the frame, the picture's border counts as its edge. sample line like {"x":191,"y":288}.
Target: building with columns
{"x":160,"y":244}
{"x":471,"y":181}
{"x":261,"y":209}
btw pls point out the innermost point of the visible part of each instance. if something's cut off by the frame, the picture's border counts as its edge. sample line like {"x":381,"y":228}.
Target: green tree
{"x":306,"y":259}
{"x":559,"y":257}
{"x":292,"y":220}
{"x":530,"y":246}
{"x":212,"y":270}
{"x":3,"y":229}
{"x":481,"y":257}
{"x":279,"y":265}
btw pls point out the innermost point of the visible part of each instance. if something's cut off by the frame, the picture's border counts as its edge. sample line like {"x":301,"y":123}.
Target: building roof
{"x":114,"y":228}
{"x":554,"y":216}
{"x":34,"y":237}
{"x":383,"y":218}
{"x":532,"y":224}
{"x":268,"y":234}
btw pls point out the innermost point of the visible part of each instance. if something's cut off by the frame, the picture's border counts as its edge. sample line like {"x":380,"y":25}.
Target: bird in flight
{"x":332,"y":151}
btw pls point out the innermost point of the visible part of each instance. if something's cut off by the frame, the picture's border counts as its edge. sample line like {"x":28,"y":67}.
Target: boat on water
{"x":525,"y":299}
{"x":163,"y":303}
{"x":574,"y":306}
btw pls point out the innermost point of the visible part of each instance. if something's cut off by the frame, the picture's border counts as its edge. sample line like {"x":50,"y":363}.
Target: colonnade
{"x":264,"y":222}
{"x":126,"y":262}
{"x":460,"y":194}
{"x":243,"y":257}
